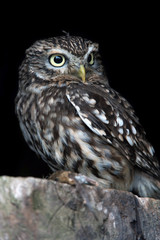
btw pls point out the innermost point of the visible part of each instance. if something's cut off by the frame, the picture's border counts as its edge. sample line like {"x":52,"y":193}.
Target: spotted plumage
{"x":74,"y":120}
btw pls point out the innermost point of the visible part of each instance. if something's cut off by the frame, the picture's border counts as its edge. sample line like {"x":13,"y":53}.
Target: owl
{"x":74,"y":120}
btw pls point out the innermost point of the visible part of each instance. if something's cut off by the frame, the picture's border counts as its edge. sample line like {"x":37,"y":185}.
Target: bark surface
{"x":33,"y":208}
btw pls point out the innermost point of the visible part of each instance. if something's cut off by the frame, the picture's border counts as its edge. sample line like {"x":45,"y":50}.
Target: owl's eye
{"x":90,"y":59}
{"x":57,"y":60}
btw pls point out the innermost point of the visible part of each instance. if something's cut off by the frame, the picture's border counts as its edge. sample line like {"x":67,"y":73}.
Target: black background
{"x":129,"y":44}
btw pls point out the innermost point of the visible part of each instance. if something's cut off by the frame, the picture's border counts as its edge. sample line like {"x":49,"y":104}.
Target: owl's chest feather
{"x":55,"y":131}
{"x":53,"y":124}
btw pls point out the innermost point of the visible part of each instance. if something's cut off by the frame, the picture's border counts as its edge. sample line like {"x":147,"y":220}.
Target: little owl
{"x":75,"y":121}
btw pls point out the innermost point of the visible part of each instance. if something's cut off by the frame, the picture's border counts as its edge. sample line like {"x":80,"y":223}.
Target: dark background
{"x":129,"y":45}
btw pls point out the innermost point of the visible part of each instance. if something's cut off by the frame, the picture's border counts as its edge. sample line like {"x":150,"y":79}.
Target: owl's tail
{"x":144,"y":185}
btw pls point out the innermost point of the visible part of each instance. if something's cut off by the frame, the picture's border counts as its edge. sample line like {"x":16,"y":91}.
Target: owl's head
{"x":69,"y":57}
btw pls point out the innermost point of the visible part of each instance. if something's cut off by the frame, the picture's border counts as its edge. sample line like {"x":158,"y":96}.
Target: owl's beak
{"x":82,"y":73}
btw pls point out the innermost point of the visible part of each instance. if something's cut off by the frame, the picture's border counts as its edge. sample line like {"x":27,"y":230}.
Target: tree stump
{"x":43,"y":209}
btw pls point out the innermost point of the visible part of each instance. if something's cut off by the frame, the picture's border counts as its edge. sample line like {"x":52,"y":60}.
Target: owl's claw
{"x":72,"y":178}
{"x":63,"y":177}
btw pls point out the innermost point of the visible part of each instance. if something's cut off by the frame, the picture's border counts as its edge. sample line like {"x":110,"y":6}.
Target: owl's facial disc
{"x":66,"y":63}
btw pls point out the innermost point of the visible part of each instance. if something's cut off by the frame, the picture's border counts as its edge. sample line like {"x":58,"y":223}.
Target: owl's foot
{"x":72,"y":178}
{"x":63,"y":177}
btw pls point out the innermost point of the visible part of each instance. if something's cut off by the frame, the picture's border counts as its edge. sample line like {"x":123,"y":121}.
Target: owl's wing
{"x":110,"y":116}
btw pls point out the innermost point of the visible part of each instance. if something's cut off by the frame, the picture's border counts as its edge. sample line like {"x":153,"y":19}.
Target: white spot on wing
{"x":88,"y":100}
{"x":120,"y":137}
{"x":120,"y":130}
{"x":95,"y":111}
{"x":109,"y":141}
{"x":92,"y":101}
{"x":120,"y":121}
{"x":85,"y":98}
{"x":103,"y":118}
{"x":87,"y":122}
{"x":115,"y":124}
{"x":133,"y":130}
{"x":129,"y":140}
{"x":151,"y":150}
{"x":138,"y":159}
{"x":127,"y":130}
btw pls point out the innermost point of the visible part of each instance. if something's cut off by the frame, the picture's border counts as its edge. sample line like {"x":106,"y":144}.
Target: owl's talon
{"x":82,"y":179}
{"x":63,"y":177}
{"x":72,"y":178}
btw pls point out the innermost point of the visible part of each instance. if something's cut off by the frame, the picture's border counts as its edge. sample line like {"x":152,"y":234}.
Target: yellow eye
{"x":57,"y":60}
{"x":90,"y":59}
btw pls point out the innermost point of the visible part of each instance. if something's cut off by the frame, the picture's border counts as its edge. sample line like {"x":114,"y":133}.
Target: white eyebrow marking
{"x":90,"y":49}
